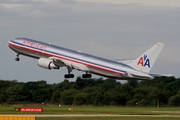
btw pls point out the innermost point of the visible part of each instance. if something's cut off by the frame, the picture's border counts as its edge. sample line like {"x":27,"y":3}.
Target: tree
{"x":17,"y":93}
{"x":80,"y":99}
{"x":119,"y":98}
{"x":132,"y":83}
{"x":174,"y":101}
{"x":80,"y":84}
{"x":67,"y":96}
{"x":161,"y":91}
{"x":98,"y":100}
{"x":127,"y":90}
{"x":56,"y":97}
{"x":2,"y":96}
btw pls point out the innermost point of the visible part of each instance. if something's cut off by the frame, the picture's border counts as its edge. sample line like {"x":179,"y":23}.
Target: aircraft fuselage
{"x":95,"y":64}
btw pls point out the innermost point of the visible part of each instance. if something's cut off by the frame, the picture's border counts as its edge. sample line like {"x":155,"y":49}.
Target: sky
{"x":113,"y":29}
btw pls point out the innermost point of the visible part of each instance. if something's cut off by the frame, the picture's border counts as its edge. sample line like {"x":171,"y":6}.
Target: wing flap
{"x":72,"y":65}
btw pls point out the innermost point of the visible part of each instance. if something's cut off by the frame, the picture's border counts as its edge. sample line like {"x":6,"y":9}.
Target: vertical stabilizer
{"x":145,"y":62}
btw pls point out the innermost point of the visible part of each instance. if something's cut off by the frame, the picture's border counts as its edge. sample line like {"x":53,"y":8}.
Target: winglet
{"x":145,"y":62}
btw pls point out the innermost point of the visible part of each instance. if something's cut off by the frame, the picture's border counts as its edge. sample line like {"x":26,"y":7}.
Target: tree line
{"x":163,"y":91}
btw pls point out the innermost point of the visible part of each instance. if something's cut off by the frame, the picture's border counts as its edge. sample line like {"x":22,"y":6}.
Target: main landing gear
{"x":86,"y":76}
{"x":17,"y":57}
{"x":69,"y":75}
{"x":72,"y":76}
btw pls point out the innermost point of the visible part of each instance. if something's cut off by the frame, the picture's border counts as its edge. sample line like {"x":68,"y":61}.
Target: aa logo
{"x":144,"y":61}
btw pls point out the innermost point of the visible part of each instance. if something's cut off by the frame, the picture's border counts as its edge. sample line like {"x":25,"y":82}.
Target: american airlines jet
{"x":54,"y":57}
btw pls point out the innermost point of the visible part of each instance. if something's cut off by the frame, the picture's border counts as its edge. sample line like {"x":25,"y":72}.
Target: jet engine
{"x":47,"y":64}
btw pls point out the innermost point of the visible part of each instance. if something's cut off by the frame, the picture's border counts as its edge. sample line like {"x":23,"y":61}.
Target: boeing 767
{"x":53,"y":57}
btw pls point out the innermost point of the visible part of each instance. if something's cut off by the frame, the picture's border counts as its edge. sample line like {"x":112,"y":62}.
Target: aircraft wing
{"x":162,"y":75}
{"x":69,"y":64}
{"x":126,"y":61}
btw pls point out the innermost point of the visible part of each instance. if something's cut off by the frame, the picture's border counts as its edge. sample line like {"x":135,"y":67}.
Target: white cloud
{"x":37,"y":14}
{"x":11,"y":5}
{"x":170,"y":3}
{"x":112,"y":31}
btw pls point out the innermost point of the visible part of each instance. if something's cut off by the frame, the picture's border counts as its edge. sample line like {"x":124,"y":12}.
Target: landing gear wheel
{"x":17,"y":59}
{"x":66,"y":76}
{"x":69,"y":76}
{"x":89,"y":75}
{"x":86,"y":76}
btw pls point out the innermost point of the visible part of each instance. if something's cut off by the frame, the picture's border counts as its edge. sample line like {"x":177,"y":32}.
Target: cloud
{"x":37,"y":13}
{"x":114,"y":31}
{"x":169,"y":3}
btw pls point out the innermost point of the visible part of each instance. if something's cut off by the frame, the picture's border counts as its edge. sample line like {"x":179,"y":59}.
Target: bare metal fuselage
{"x":95,"y":64}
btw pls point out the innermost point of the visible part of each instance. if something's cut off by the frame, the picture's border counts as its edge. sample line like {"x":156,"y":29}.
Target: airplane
{"x":54,"y":57}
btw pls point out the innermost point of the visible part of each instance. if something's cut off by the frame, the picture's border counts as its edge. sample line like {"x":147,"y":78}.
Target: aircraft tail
{"x":145,"y":62}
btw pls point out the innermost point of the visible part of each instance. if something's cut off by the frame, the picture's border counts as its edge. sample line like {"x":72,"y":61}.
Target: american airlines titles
{"x":33,"y":44}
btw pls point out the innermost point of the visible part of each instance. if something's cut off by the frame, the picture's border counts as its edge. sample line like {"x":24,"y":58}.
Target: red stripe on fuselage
{"x":29,"y":49}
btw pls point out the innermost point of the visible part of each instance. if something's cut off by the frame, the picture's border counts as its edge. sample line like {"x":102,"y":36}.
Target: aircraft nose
{"x":10,"y":43}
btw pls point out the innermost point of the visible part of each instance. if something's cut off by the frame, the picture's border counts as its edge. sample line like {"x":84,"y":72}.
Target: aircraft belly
{"x":103,"y":72}
{"x":115,"y":75}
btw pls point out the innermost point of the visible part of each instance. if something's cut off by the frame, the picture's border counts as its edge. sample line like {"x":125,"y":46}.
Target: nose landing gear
{"x":17,"y":57}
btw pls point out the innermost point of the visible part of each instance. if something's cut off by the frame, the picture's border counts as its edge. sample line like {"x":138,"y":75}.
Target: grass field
{"x":105,"y":110}
{"x":110,"y":118}
{"x":96,"y":110}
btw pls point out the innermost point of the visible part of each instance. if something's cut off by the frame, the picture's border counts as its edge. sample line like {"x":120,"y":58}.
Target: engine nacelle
{"x":47,"y":63}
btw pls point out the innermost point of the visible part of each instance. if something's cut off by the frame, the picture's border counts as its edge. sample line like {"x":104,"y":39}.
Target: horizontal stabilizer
{"x":162,"y":75}
{"x":126,"y":61}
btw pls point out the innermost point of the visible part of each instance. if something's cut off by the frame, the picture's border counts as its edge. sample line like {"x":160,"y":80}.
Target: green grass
{"x":5,"y":110}
{"x":97,"y":110}
{"x":109,"y":118}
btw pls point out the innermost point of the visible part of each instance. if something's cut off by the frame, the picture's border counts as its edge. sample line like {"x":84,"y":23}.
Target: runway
{"x":92,"y":115}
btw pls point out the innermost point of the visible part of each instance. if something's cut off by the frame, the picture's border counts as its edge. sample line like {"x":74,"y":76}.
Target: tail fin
{"x":145,"y":62}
